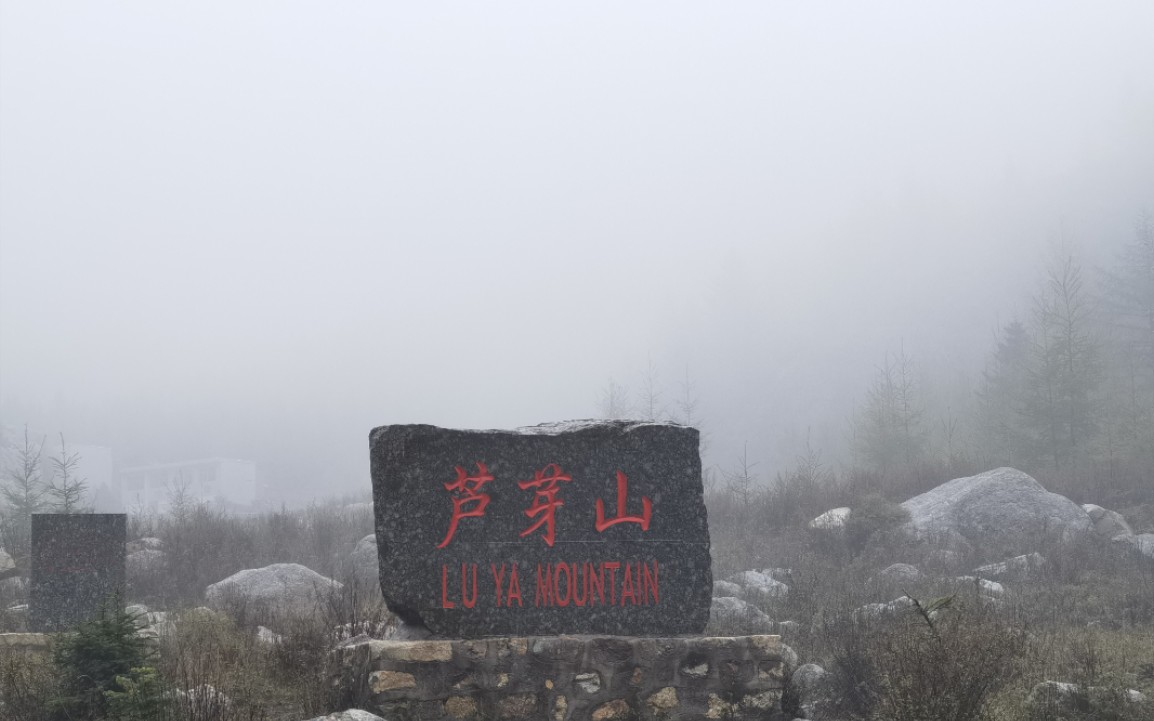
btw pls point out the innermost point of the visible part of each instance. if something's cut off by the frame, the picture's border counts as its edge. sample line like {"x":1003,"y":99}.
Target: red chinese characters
{"x":622,"y":494}
{"x":467,"y":490}
{"x":470,"y":501}
{"x":545,"y":502}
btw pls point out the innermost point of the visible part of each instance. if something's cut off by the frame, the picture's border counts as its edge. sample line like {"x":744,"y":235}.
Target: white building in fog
{"x":224,"y":481}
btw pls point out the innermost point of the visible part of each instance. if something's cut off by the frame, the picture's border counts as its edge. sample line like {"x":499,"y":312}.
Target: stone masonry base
{"x":566,"y":678}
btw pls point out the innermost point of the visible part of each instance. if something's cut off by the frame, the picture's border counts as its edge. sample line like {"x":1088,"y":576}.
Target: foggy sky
{"x":258,"y":230}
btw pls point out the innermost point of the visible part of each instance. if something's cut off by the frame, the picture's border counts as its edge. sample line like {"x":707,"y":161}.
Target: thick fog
{"x":258,"y":230}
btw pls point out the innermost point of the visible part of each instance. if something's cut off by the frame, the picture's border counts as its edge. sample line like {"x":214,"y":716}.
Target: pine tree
{"x":1061,"y":405}
{"x":1001,"y":399}
{"x":891,"y":430}
{"x":23,"y":495}
{"x":66,"y":487}
{"x":615,"y":403}
{"x":1128,"y":295}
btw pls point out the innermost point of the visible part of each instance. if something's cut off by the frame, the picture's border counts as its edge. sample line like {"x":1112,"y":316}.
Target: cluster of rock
{"x":150,"y":624}
{"x":735,"y":604}
{"x":1000,"y":510}
{"x":1112,"y":525}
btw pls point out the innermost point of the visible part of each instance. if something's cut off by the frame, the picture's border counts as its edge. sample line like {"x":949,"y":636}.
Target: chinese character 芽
{"x":545,"y":502}
{"x":622,"y":493}
{"x":467,"y":489}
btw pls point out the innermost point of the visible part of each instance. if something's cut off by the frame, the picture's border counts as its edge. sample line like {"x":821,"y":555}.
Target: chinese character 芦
{"x":467,"y":490}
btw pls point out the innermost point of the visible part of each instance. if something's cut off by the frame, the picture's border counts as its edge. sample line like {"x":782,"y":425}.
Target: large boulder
{"x":1003,"y":509}
{"x":832,"y":520}
{"x":730,"y":616}
{"x":1107,"y":523}
{"x":144,"y":562}
{"x":282,"y":587}
{"x":365,"y":562}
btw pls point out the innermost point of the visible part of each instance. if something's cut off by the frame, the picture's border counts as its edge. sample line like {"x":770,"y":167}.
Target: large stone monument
{"x":583,"y":527}
{"x":559,"y":572}
{"x":77,"y":566}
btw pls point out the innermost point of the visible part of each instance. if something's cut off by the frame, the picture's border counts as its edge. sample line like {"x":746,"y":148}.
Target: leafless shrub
{"x":938,"y":663}
{"x":26,"y":685}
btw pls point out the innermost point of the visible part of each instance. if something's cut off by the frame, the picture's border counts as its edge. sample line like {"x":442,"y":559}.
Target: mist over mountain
{"x":256,"y":232}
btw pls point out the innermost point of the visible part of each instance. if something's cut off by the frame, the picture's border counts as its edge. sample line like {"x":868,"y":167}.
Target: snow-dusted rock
{"x":985,"y":586}
{"x":151,"y":625}
{"x":832,"y":520}
{"x":1107,"y":523}
{"x":285,"y":587}
{"x":144,"y":562}
{"x":7,"y":565}
{"x":788,"y":627}
{"x":267,"y":636}
{"x":732,"y":615}
{"x":157,"y":626}
{"x":1053,"y":696}
{"x":1143,"y":542}
{"x":206,"y":699}
{"x":407,"y":632}
{"x":1003,"y":508}
{"x":726,"y":588}
{"x":365,"y":562}
{"x":350,"y":715}
{"x":756,"y":586}
{"x":1017,"y":568}
{"x":878,"y":611}
{"x":148,"y":543}
{"x":1050,"y":693}
{"x":898,"y":573}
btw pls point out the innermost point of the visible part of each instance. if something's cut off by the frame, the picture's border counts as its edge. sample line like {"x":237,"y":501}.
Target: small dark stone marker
{"x":587,"y":527}
{"x":77,"y":565}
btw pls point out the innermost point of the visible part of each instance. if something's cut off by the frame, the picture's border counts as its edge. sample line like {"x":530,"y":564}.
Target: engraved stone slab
{"x":77,"y":565}
{"x":587,"y":527}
